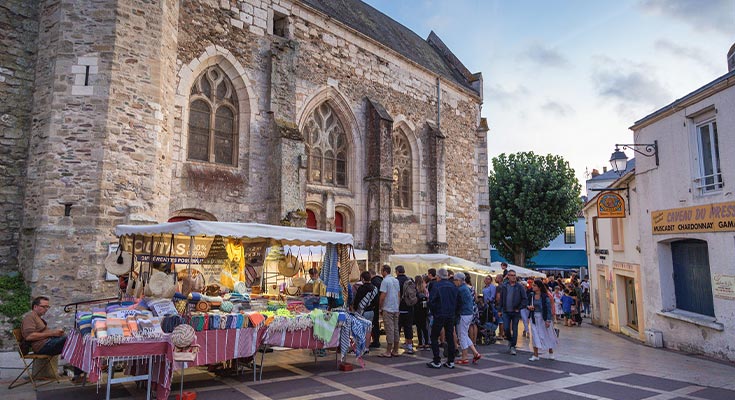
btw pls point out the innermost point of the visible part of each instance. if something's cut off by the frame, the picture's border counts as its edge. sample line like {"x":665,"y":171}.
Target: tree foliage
{"x":532,"y":199}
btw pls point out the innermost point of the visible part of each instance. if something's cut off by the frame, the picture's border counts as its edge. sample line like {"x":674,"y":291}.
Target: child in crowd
{"x":566,"y":304}
{"x":557,"y":303}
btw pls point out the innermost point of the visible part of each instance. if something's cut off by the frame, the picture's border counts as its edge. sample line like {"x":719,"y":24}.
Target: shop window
{"x":569,"y":236}
{"x":213,"y":110}
{"x":692,"y":281}
{"x":311,"y":220}
{"x":708,"y":158}
{"x":326,"y":148}
{"x":618,"y":243}
{"x":401,"y":171}
{"x":339,"y":222}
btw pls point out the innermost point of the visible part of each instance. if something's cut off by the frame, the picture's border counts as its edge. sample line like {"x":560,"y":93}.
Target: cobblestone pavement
{"x":591,"y":364}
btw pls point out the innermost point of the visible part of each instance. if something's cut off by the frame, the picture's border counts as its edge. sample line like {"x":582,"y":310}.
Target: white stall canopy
{"x":417,"y":264}
{"x":239,"y":230}
{"x":520,"y":271}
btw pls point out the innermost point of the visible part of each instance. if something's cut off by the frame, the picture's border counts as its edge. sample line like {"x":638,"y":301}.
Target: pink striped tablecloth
{"x":87,"y":354}
{"x":228,"y":344}
{"x":301,"y":339}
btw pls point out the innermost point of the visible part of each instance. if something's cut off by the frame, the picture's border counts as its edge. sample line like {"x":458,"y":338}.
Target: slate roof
{"x":383,"y":29}
{"x":611,"y":174}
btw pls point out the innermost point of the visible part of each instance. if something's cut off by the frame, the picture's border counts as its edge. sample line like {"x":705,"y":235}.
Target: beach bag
{"x":410,"y":295}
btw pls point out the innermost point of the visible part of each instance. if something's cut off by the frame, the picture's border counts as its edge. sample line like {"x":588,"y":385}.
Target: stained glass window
{"x":326,"y":148}
{"x":402,"y":171}
{"x":213,"y":110}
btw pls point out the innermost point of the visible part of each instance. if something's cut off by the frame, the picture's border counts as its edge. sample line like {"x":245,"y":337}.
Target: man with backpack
{"x":409,"y":298}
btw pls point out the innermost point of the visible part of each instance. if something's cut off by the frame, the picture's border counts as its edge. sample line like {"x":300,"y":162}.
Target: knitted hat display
{"x":226,"y":306}
{"x":241,"y":287}
{"x":202,"y":306}
{"x":183,"y":336}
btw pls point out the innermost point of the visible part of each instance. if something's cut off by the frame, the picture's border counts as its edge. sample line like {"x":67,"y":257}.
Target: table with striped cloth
{"x":85,"y":353}
{"x":301,"y":339}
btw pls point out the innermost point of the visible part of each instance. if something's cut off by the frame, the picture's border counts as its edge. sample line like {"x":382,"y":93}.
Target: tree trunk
{"x":519,"y":258}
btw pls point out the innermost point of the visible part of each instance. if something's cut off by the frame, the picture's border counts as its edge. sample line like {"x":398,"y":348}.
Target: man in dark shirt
{"x":512,"y":299}
{"x":405,"y":319}
{"x":443,"y":304}
{"x":376,"y":280}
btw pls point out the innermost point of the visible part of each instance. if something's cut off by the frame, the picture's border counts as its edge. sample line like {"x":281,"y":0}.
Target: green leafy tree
{"x":532,"y":199}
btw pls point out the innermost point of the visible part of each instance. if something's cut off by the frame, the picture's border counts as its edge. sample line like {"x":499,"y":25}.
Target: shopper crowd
{"x":450,"y":318}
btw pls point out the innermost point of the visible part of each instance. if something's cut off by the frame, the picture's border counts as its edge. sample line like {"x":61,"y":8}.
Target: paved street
{"x":591,"y":364}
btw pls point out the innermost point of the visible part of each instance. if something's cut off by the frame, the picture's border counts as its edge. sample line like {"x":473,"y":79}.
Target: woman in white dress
{"x":542,"y":326}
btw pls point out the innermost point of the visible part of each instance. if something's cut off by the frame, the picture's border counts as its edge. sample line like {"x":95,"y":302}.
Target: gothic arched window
{"x":401,"y":171}
{"x":213,"y":113}
{"x":326,"y":148}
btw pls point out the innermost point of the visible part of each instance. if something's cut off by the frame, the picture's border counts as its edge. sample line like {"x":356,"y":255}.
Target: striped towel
{"x":332,"y":282}
{"x":344,"y":336}
{"x":359,"y":328}
{"x":345,"y":268}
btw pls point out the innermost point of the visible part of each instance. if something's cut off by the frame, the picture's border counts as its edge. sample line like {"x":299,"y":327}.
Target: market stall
{"x":210,"y":277}
{"x":520,"y":271}
{"x":417,"y":264}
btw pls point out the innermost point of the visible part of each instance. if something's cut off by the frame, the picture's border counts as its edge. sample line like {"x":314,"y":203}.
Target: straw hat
{"x":118,"y":263}
{"x":288,"y":266}
{"x":161,"y":285}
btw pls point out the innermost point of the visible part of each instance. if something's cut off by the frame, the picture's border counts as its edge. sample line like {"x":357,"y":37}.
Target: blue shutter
{"x":692,"y":282}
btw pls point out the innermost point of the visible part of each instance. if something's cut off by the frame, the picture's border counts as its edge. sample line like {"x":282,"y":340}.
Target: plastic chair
{"x":26,"y":357}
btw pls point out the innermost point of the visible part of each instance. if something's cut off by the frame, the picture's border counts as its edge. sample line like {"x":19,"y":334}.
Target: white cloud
{"x":544,"y":56}
{"x":711,"y":15}
{"x":694,"y":54}
{"x":559,"y":108}
{"x":501,"y":95}
{"x":632,"y":88}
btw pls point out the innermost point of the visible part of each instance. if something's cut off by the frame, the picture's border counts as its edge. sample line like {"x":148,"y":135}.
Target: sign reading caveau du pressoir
{"x":718,"y":217}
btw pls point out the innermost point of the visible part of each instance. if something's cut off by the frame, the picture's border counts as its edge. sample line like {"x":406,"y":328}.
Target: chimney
{"x":604,"y":169}
{"x":731,"y":59}
{"x":595,"y":173}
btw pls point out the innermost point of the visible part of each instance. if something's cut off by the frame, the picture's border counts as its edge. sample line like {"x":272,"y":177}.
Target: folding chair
{"x":45,"y":361}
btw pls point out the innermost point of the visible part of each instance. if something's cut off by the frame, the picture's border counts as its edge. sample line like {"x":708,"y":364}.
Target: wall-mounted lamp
{"x":619,"y":160}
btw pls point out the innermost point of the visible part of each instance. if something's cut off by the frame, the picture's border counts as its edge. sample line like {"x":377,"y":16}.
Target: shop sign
{"x":624,"y":266}
{"x":160,"y":247}
{"x":718,"y":217}
{"x":610,"y":205}
{"x":723,"y":286}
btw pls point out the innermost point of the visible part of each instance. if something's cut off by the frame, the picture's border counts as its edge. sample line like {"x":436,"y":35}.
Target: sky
{"x":570,"y":77}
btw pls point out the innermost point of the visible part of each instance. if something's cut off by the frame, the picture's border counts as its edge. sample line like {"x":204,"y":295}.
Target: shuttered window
{"x":692,"y":281}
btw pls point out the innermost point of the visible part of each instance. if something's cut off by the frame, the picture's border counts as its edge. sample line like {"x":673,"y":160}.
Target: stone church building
{"x":326,"y":113}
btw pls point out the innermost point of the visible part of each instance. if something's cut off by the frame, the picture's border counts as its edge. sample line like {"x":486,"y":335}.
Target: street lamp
{"x":619,"y":161}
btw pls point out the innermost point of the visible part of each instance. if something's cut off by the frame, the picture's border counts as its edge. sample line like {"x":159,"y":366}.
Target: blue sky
{"x":570,"y":77}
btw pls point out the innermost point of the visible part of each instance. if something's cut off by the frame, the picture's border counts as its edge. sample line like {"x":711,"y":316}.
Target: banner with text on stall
{"x":718,"y":217}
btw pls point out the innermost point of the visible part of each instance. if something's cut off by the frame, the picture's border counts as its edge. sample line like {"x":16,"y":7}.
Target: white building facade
{"x":687,"y":220}
{"x":613,"y":251}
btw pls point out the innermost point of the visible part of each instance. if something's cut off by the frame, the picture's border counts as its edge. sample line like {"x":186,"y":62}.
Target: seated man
{"x":36,"y":332}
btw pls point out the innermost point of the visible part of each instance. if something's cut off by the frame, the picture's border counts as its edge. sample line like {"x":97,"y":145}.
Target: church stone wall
{"x":18,"y":30}
{"x":328,"y":56}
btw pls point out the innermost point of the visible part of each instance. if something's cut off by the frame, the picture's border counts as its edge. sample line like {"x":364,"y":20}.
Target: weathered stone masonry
{"x":106,"y":133}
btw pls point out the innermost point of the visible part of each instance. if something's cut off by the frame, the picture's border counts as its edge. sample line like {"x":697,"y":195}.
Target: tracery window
{"x":401,"y":171}
{"x":213,"y":110}
{"x":326,"y":148}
